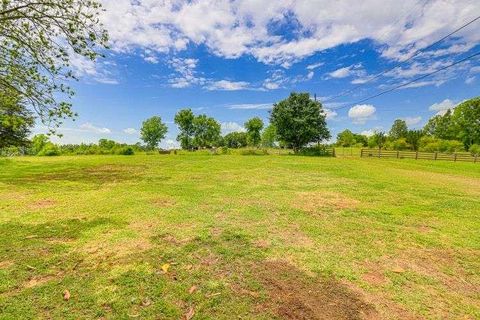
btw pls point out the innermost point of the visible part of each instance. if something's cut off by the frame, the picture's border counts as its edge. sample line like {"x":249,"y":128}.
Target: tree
{"x":346,"y":138}
{"x":269,"y":136}
{"x":299,"y":120}
{"x":254,"y":126}
{"x":441,"y":126}
{"x":15,"y":120}
{"x":466,"y":122}
{"x":413,"y":138}
{"x":184,"y":120}
{"x":39,"y":142}
{"x":206,"y":131}
{"x":39,"y":41}
{"x":378,"y":139}
{"x":361,"y":139}
{"x":235,"y":139}
{"x":399,"y":130}
{"x":153,"y":131}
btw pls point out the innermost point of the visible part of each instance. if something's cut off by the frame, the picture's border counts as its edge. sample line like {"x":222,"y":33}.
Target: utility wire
{"x":416,"y":53}
{"x":410,"y":82}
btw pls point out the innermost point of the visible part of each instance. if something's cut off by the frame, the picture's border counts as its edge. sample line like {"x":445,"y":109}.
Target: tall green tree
{"x":153,"y":131}
{"x":346,"y":138}
{"x":235,"y":139}
{"x":254,"y":127}
{"x":466,"y":122}
{"x":206,"y":131}
{"x":269,"y":136}
{"x":39,"y":39}
{"x":299,"y":120}
{"x":184,"y":120}
{"x":413,"y":138}
{"x":15,"y":120}
{"x":399,"y":130}
{"x":441,"y":126}
{"x":378,"y":139}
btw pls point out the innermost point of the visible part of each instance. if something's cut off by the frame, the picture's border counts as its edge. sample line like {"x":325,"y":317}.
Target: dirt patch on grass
{"x":37,"y":281}
{"x":323,"y":200}
{"x":6,"y":264}
{"x":294,"y":295}
{"x":163,"y":202}
{"x":42,"y":204}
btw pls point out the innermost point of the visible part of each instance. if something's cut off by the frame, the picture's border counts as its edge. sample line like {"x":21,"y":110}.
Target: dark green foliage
{"x":153,"y":131}
{"x":254,"y":126}
{"x":235,"y":140}
{"x":378,"y":140}
{"x":317,"y":151}
{"x":474,"y":149}
{"x":466,"y":122}
{"x":399,"y":130}
{"x":39,"y":40}
{"x":413,"y":138}
{"x":184,"y":121}
{"x":299,"y":121}
{"x":15,"y":120}
{"x":206,"y":131}
{"x":441,"y":127}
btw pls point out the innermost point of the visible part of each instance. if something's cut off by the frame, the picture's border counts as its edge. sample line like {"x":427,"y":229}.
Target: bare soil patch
{"x":163,"y":202}
{"x":42,"y":204}
{"x":323,"y":200}
{"x":295,"y":295}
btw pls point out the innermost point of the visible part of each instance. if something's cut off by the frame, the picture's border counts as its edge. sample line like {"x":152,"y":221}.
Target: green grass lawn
{"x":231,"y":236}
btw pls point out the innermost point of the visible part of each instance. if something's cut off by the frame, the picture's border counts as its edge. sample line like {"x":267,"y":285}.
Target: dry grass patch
{"x":295,"y":295}
{"x":164,"y":202}
{"x":42,"y":204}
{"x":320,"y":201}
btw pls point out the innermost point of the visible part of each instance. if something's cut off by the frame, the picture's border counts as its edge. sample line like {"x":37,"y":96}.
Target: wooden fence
{"x":376,"y":153}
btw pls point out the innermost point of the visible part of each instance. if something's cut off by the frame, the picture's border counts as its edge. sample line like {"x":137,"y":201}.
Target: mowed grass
{"x":231,"y":236}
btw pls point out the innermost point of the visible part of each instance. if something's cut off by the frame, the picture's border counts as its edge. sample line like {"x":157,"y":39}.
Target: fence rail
{"x":377,"y":153}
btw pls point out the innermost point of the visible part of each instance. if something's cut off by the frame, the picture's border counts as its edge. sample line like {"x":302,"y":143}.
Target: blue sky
{"x":233,"y":59}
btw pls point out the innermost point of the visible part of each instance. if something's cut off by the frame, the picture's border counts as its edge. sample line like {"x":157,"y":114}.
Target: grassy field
{"x":231,"y":236}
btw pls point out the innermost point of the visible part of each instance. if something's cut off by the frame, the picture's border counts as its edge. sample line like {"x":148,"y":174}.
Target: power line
{"x":410,"y":82}
{"x":416,"y":53}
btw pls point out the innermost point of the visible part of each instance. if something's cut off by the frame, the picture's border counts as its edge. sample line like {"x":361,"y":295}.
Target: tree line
{"x":456,"y":130}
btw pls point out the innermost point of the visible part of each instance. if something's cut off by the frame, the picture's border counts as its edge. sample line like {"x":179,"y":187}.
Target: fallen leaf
{"x":192,"y":289}
{"x":146,"y":302}
{"x":165,"y":267}
{"x":189,"y":315}
{"x":66,"y":295}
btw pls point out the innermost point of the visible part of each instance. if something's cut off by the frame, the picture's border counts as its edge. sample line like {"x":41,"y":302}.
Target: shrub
{"x":318,"y":151}
{"x":254,"y":152}
{"x":474,"y":149}
{"x":399,"y":144}
{"x":126,"y":151}
{"x":431,"y":144}
{"x":49,"y":149}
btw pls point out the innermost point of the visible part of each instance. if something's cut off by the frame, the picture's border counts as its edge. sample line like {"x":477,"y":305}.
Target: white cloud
{"x":475,"y":69}
{"x":368,"y":133}
{"x":470,"y":80}
{"x":186,"y":74}
{"x":97,"y":71}
{"x":411,"y":121}
{"x":87,"y":126}
{"x":251,"y":106}
{"x":361,"y":113}
{"x":314,"y":66}
{"x":330,"y":114}
{"x":242,"y":27}
{"x":228,"y":85}
{"x":442,"y":107}
{"x":130,"y":131}
{"x":228,"y":127}
{"x":341,"y":73}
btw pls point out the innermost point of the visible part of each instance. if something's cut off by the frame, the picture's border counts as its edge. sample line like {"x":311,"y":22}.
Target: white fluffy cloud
{"x":250,"y":106}
{"x":411,"y":121}
{"x":243,"y":27}
{"x":130,"y":131}
{"x":228,"y":85}
{"x":330,"y":114}
{"x":361,"y":113}
{"x":228,"y":127}
{"x":442,"y":107}
{"x":88,"y":127}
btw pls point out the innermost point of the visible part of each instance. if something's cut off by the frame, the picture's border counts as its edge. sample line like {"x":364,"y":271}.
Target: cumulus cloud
{"x":330,"y":114}
{"x":411,"y":121}
{"x":130,"y":131}
{"x":361,"y":113}
{"x":91,"y":128}
{"x":442,"y":107}
{"x":228,"y":127}
{"x":241,"y":27}
{"x":228,"y":85}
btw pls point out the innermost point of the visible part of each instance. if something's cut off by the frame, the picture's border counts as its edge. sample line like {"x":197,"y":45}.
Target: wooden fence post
{"x":475,"y":159}
{"x":455,"y":157}
{"x":416,"y":155}
{"x":398,"y":154}
{"x":436,"y":155}
{"x":333,"y":152}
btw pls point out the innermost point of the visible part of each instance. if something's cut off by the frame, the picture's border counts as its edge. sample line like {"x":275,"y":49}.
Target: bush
{"x":254,"y":152}
{"x":399,"y":144}
{"x":225,"y":150}
{"x":49,"y":150}
{"x":318,"y":151}
{"x":126,"y":151}
{"x":474,"y":149}
{"x":431,"y":144}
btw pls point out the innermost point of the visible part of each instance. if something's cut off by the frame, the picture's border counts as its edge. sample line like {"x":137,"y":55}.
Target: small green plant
{"x":474,"y":149}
